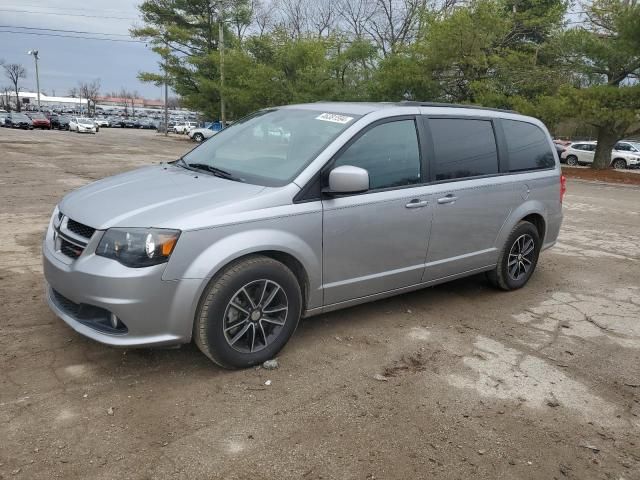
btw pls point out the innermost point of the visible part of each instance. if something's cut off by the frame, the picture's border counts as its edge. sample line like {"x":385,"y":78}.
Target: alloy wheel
{"x":521,"y":257}
{"x":255,"y":316}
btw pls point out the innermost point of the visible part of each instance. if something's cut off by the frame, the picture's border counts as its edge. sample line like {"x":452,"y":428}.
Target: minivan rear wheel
{"x":248,"y":312}
{"x":518,"y":258}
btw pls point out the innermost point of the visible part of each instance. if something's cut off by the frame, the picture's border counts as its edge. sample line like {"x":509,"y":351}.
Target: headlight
{"x":138,"y":247}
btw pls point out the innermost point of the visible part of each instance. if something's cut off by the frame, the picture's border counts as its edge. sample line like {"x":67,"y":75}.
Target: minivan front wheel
{"x":518,"y":258}
{"x":248,"y":312}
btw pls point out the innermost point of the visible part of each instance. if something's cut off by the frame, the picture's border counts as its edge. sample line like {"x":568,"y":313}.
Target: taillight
{"x":563,"y":187}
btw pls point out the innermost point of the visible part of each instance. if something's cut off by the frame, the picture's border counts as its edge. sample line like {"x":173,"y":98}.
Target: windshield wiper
{"x":218,"y":172}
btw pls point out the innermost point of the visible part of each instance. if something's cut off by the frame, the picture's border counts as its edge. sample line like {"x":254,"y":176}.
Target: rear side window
{"x":463,"y":148}
{"x":527,"y":146}
{"x":389,"y":152}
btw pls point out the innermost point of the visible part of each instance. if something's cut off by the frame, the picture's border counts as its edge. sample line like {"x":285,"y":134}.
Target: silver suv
{"x":301,"y":210}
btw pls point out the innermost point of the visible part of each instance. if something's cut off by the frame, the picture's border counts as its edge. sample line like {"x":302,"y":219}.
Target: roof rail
{"x":453,"y":105}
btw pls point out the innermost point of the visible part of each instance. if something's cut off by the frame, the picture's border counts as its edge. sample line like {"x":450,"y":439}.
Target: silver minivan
{"x":299,"y":210}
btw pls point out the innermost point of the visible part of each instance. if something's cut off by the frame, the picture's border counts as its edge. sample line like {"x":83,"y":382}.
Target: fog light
{"x":114,"y":320}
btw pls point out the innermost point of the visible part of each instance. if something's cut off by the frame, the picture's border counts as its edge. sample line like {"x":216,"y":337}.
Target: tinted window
{"x":389,"y":152}
{"x":527,"y":146}
{"x":623,"y":147}
{"x":463,"y":148}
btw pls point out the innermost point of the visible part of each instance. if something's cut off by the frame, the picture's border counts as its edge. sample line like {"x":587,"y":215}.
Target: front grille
{"x":80,"y":229}
{"x":69,"y":249}
{"x":95,"y":317}
{"x":71,"y":237}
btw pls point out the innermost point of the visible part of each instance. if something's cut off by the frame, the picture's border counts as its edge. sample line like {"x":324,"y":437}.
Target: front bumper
{"x":152,"y":311}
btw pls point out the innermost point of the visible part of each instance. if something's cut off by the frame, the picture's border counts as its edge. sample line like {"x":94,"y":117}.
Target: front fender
{"x":203,"y":253}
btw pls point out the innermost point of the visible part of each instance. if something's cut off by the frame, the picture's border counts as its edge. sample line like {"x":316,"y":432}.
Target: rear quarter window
{"x":527,"y":146}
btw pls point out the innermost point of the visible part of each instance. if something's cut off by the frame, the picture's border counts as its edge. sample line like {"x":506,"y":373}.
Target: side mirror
{"x":348,"y":179}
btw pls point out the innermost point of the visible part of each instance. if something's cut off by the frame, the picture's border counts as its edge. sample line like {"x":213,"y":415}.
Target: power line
{"x":67,"y":14}
{"x":65,"y":31}
{"x":74,"y":36}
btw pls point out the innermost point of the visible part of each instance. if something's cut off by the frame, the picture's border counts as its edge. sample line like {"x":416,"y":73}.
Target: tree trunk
{"x":18,"y":106}
{"x":607,"y":139}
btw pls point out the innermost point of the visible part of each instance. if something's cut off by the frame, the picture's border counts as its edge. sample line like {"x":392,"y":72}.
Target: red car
{"x":39,"y":120}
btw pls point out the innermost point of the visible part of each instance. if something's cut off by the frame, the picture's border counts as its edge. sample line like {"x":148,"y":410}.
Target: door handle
{"x":448,"y":199}
{"x":417,"y":203}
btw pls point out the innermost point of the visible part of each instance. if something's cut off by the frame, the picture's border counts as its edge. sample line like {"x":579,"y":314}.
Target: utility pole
{"x":166,"y":95}
{"x":35,"y":56}
{"x":223,"y":118}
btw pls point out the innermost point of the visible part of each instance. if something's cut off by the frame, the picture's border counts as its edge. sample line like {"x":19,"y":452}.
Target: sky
{"x":63,"y":62}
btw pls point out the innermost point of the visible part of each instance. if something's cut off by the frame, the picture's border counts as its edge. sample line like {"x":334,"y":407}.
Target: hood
{"x":162,"y":196}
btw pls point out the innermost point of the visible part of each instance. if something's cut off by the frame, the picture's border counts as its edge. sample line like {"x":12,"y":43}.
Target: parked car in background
{"x":82,"y":125}
{"x":102,"y":122}
{"x":629,"y":150}
{"x":3,"y":117}
{"x":60,"y":122}
{"x":39,"y":120}
{"x":234,"y":242}
{"x":161,"y":128}
{"x":18,"y":120}
{"x":200,"y":134}
{"x":146,"y":124}
{"x":184,"y":127}
{"x":583,"y":153}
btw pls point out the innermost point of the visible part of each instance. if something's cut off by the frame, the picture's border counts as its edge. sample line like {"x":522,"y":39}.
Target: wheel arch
{"x":302,"y":258}
{"x":532,"y":211}
{"x":539,"y":222}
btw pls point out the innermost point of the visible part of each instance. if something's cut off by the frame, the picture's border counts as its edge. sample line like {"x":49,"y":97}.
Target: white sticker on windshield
{"x":334,"y":117}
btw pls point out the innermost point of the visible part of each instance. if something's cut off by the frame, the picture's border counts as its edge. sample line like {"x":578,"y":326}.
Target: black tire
{"x":619,"y":164}
{"x":214,"y":311}
{"x":572,"y":160}
{"x":501,"y":277}
{"x":198,"y":137}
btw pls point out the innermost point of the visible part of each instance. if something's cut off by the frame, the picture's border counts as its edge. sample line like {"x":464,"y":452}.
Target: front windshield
{"x":270,"y":147}
{"x":85,"y":120}
{"x":635,"y":145}
{"x":37,"y":116}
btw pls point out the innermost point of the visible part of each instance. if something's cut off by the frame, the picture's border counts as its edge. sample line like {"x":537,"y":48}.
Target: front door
{"x":377,"y":241}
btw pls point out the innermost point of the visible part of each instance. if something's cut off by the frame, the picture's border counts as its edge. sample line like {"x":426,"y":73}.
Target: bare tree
{"x":263,"y":16}
{"x":356,"y":15}
{"x":90,"y":91}
{"x":394,"y":23}
{"x":323,"y":15}
{"x":15,"y":72}
{"x":295,"y":17}
{"x":73,"y":92}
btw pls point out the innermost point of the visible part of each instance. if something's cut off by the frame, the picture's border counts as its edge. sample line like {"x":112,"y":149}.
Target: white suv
{"x":184,"y":127}
{"x":625,"y":154}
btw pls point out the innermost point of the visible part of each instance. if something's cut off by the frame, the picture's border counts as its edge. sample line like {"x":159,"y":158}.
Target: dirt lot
{"x":539,"y":383}
{"x":629,"y":177}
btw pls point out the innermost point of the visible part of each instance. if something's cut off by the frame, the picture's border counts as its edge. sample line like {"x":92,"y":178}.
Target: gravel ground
{"x":457,"y":381}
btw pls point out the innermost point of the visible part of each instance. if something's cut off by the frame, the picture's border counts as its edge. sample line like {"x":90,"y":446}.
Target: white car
{"x":82,"y":125}
{"x":625,"y":154}
{"x":201,"y":134}
{"x":184,"y":127}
